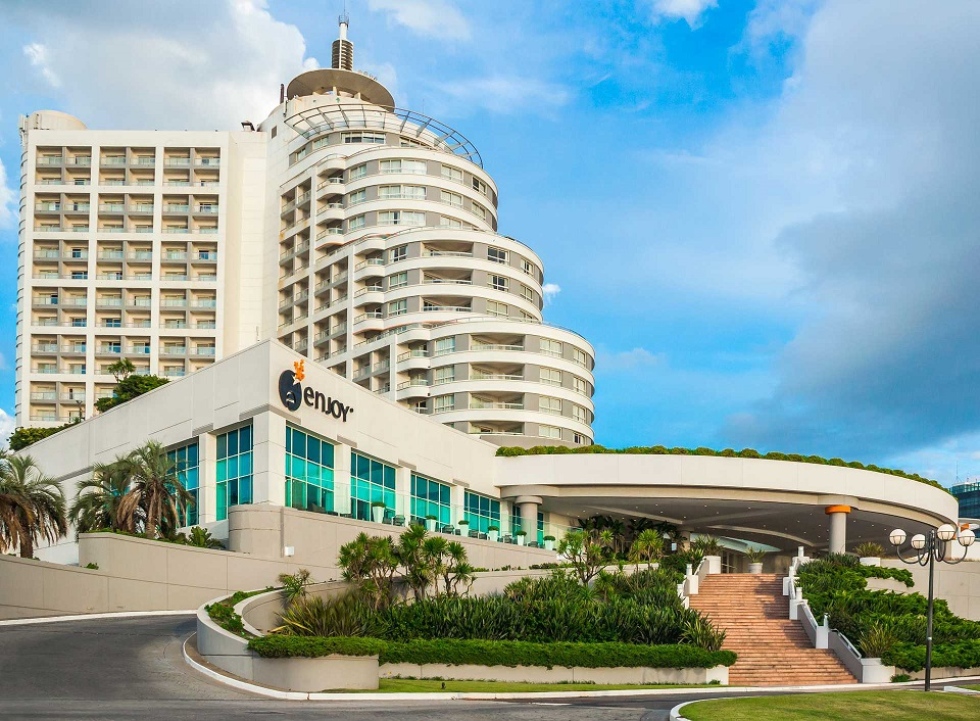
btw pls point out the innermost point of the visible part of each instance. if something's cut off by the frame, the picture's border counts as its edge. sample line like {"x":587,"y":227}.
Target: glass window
{"x":399,"y":253}
{"x":580,"y":385}
{"x":359,"y":197}
{"x":498,"y":282}
{"x":551,"y":347}
{"x":356,"y":222}
{"x":481,"y":511}
{"x":309,"y":471}
{"x":430,"y":498}
{"x":547,"y":404}
{"x":527,"y":293}
{"x":397,"y":280}
{"x":549,"y":432}
{"x":479,"y":185}
{"x":446,"y":374}
{"x":358,"y":172}
{"x":451,"y":198}
{"x":551,"y":376}
{"x":497,"y":309}
{"x":398,"y":307}
{"x":445,"y":222}
{"x":451,"y":173}
{"x":580,"y":414}
{"x":497,"y":255}
{"x":371,"y":482}
{"x":446,"y":345}
{"x":579,"y":357}
{"x":412,"y":218}
{"x":441,"y":404}
{"x":234,"y":469}
{"x":185,"y":465}
{"x":526,"y":267}
{"x":362,"y":137}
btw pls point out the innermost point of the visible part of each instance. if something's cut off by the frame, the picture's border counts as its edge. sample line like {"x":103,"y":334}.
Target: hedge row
{"x":495,"y":653}
{"x":911,"y":657}
{"x":512,"y":451}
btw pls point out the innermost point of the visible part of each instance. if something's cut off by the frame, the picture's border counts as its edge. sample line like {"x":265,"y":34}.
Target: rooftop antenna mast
{"x":342,"y":57}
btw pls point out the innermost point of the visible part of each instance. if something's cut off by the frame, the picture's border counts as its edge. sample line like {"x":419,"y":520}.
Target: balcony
{"x":476,"y":403}
{"x":424,"y":382}
{"x":173,"y":350}
{"x":495,"y":377}
{"x":177,"y":162}
{"x":203,"y":351}
{"x":111,"y":207}
{"x":497,"y":346}
{"x":415,"y":353}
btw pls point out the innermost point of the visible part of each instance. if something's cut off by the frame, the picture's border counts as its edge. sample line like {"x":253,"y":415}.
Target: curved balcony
{"x":331,"y":212}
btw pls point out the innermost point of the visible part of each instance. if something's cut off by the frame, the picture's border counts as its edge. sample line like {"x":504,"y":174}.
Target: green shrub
{"x":92,"y":566}
{"x":495,"y":653}
{"x":870,"y":550}
{"x":223,"y":612}
{"x":910,"y":657}
{"x":346,"y":615}
{"x":877,"y":640}
{"x":513,"y":451}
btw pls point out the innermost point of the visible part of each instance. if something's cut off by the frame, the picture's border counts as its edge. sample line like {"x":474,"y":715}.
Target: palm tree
{"x":35,"y":505}
{"x":97,"y":504}
{"x":647,"y":547}
{"x":154,"y":487}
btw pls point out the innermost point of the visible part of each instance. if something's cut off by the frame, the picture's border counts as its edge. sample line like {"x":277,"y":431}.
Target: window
{"x":185,"y":463}
{"x":551,"y":347}
{"x":497,"y":255}
{"x":309,"y":472}
{"x":549,"y":432}
{"x":498,"y":309}
{"x":79,"y":275}
{"x":446,"y":374}
{"x":445,"y":222}
{"x":371,"y":482}
{"x":547,"y":404}
{"x":389,"y":217}
{"x":479,"y":211}
{"x":112,"y":323}
{"x":527,"y":267}
{"x":580,"y":385}
{"x":441,"y":404}
{"x":401,"y":192}
{"x":398,"y":307}
{"x":430,"y":498}
{"x":356,"y":222}
{"x":416,"y":167}
{"x":579,"y":357}
{"x":234,"y":469}
{"x":454,"y":199}
{"x":78,"y":253}
{"x":359,"y":197}
{"x":481,"y":511}
{"x":527,"y":293}
{"x":446,"y":345}
{"x":358,"y":171}
{"x":451,"y":173}
{"x":361,"y":137}
{"x":77,"y":323}
{"x":580,"y":414}
{"x":479,"y":185}
{"x":397,"y":280}
{"x":550,"y":376}
{"x":498,"y":282}
{"x":399,"y":253}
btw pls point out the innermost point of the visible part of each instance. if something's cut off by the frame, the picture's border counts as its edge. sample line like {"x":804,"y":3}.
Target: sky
{"x":763,"y":213}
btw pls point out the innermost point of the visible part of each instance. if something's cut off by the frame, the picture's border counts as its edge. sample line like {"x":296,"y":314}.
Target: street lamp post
{"x":928,"y":549}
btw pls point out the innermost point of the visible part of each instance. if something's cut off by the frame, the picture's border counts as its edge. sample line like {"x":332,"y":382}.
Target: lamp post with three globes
{"x":929,"y":548}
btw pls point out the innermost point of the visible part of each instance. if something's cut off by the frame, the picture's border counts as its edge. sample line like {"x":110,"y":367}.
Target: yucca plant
{"x":869,"y":549}
{"x":698,"y":631}
{"x":877,"y":640}
{"x":345,"y":615}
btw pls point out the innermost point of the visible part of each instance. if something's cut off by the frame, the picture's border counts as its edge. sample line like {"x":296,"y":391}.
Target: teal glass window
{"x":481,"y":512}
{"x":516,"y":525}
{"x":309,"y":472}
{"x":185,"y":462}
{"x":234,"y":469}
{"x":371,"y":481}
{"x":430,"y":498}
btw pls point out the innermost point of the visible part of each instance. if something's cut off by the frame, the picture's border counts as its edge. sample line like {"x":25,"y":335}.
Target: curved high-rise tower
{"x":360,"y":234}
{"x":393,"y":274}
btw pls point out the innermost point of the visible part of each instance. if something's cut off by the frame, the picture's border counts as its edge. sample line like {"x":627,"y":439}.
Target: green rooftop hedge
{"x":495,"y":653}
{"x":512,"y":451}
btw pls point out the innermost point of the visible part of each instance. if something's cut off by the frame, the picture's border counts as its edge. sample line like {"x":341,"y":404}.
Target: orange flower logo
{"x":299,"y":370}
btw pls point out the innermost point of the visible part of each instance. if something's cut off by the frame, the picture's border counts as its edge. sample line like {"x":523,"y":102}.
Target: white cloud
{"x":38,"y":55}
{"x":8,"y":199}
{"x":506,"y":95}
{"x":429,"y":18}
{"x":628,"y":361}
{"x":165,"y":65}
{"x":689,"y":10}
{"x":7,"y":427}
{"x":550,"y":290}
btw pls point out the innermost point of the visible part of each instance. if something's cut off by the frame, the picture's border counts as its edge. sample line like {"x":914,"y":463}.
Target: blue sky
{"x":762,"y":213}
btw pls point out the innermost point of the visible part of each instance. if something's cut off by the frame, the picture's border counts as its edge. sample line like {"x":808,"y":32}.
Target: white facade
{"x":359,"y":235}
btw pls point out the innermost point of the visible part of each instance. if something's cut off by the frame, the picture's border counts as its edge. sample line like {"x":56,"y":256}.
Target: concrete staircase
{"x":772,"y":650}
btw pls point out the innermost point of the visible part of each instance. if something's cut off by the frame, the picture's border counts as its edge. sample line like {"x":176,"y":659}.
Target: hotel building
{"x":361,"y":235}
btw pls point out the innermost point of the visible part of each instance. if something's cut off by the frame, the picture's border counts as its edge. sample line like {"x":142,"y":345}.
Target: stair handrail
{"x":692,"y":581}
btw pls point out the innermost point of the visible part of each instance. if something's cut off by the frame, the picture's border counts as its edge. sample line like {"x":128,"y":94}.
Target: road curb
{"x":92,"y":617}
